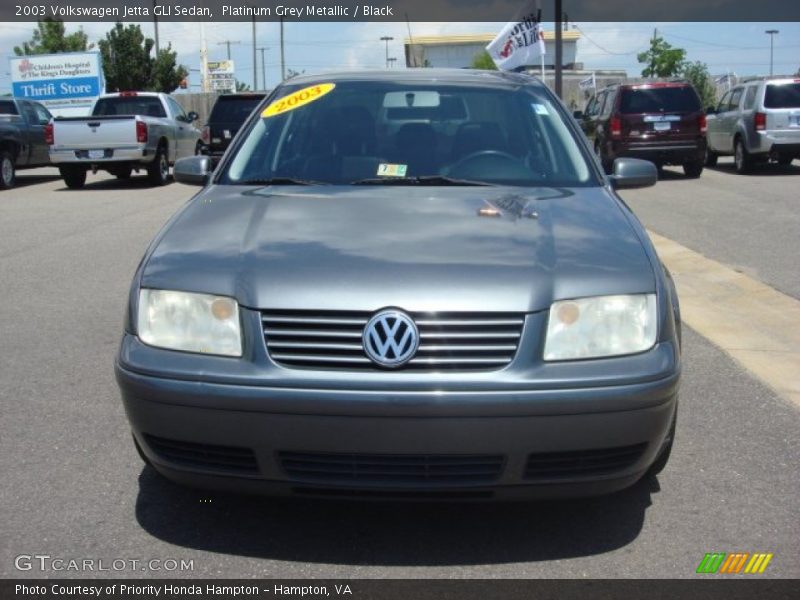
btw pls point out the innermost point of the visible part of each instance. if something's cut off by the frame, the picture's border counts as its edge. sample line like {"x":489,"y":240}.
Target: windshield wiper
{"x":420,"y":180}
{"x":279,"y":181}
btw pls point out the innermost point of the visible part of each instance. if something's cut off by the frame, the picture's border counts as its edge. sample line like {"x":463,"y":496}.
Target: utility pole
{"x":387,"y":39}
{"x":263,"y":68}
{"x":255,"y":62}
{"x":155,"y":25}
{"x":391,"y":62}
{"x":559,"y":52}
{"x":228,"y":44}
{"x":283,"y":56}
{"x":653,"y":53}
{"x":204,"y":56}
{"x":771,"y":33}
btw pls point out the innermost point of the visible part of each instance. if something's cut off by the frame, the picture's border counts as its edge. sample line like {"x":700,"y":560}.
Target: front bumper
{"x":352,"y":441}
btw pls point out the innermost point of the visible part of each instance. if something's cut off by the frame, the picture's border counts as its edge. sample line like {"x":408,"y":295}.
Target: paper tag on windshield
{"x":540,"y":109}
{"x":386,"y":170}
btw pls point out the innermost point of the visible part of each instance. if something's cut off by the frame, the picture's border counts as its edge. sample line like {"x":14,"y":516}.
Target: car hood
{"x":416,"y":248}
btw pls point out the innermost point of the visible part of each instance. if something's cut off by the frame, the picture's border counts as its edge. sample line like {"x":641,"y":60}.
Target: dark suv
{"x":662,"y":122}
{"x":228,"y":115}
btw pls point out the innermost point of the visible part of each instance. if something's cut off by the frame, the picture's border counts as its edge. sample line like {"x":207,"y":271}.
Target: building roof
{"x":479,"y":38}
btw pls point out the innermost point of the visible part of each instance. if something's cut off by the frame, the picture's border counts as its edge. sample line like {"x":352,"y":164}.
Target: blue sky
{"x":742,"y":48}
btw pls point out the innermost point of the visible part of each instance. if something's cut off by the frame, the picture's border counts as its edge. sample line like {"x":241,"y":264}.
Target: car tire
{"x":741,"y":158}
{"x":74,"y":178}
{"x":693,"y":170}
{"x":663,"y":458}
{"x":711,"y":158}
{"x":8,"y":170}
{"x":607,"y":168}
{"x":785,"y":160}
{"x":158,"y":170}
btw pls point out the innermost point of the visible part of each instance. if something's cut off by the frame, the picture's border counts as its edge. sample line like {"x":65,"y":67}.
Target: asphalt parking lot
{"x":73,"y":486}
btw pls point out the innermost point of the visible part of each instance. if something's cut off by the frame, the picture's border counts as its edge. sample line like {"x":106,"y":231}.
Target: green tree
{"x":697,"y":73}
{"x":241,"y":86}
{"x":50,"y":36}
{"x":482,"y":60}
{"x":661,"y":59}
{"x":128,"y":64}
{"x":166,"y":74}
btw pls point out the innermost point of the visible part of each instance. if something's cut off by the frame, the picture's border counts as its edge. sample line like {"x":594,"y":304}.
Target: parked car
{"x":324,"y":319}
{"x":756,"y":122}
{"x":126,"y":132}
{"x":230,"y":111}
{"x":662,"y":122}
{"x":22,"y":138}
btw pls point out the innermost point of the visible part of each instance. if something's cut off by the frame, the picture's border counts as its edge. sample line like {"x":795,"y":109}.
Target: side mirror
{"x":632,"y":173}
{"x":711,"y":110}
{"x":578,"y":114}
{"x":193,"y":116}
{"x":193,"y":170}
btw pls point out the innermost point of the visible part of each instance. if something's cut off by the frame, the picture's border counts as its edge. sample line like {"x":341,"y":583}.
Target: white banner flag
{"x":520,"y":42}
{"x":588,"y":83}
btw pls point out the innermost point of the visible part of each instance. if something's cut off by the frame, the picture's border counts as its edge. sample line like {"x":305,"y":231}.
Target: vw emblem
{"x":391,"y":338}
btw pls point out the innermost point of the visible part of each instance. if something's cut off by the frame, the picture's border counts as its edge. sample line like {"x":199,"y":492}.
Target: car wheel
{"x":74,"y":178}
{"x":603,"y":161}
{"x":741,"y":158}
{"x":711,"y":158}
{"x":663,"y":458}
{"x":8,"y":171}
{"x":785,"y":160}
{"x":693,"y":169}
{"x":158,"y":170}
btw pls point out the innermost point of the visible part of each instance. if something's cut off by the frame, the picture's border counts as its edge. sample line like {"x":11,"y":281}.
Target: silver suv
{"x":756,"y":121}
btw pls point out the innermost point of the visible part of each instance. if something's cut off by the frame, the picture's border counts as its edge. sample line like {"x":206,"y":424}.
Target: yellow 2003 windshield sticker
{"x":297,"y":99}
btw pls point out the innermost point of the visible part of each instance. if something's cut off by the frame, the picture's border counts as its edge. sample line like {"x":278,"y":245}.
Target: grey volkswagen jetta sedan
{"x":411,"y":284}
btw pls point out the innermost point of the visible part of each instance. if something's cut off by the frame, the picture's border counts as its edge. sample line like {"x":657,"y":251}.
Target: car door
{"x":34,"y":150}
{"x":40,"y":149}
{"x":184,"y":130}
{"x":589,"y":120}
{"x":729,"y":119}
{"x":714,"y":122}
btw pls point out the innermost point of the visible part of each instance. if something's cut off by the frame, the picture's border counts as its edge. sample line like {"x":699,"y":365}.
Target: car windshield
{"x":234,"y":109}
{"x":383,"y":132}
{"x":659,"y":99}
{"x":148,"y":106}
{"x":786,"y":95}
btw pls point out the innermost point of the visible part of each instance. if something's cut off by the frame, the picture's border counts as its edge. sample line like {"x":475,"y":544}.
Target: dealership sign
{"x":222,"y":76}
{"x":66,"y":83}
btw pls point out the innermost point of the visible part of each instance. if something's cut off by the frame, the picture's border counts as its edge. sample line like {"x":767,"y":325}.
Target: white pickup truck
{"x":126,"y":132}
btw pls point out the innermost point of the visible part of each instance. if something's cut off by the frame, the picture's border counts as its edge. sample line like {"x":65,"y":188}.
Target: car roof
{"x":465,"y":76}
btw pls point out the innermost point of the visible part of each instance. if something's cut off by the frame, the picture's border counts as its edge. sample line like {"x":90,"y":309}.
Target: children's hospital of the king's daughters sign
{"x":67,"y":84}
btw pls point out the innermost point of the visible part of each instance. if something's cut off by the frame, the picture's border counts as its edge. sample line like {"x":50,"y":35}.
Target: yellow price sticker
{"x":297,"y":99}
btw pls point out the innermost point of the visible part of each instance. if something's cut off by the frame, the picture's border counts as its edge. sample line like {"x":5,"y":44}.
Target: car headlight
{"x":601,"y":326}
{"x":189,"y":322}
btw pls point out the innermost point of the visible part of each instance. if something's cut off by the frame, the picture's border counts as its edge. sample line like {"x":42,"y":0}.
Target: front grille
{"x":397,"y":469}
{"x":204,"y":456}
{"x":582,"y":463}
{"x":333,"y":340}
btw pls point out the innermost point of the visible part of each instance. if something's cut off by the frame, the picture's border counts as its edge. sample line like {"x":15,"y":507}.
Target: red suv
{"x":662,"y":122}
